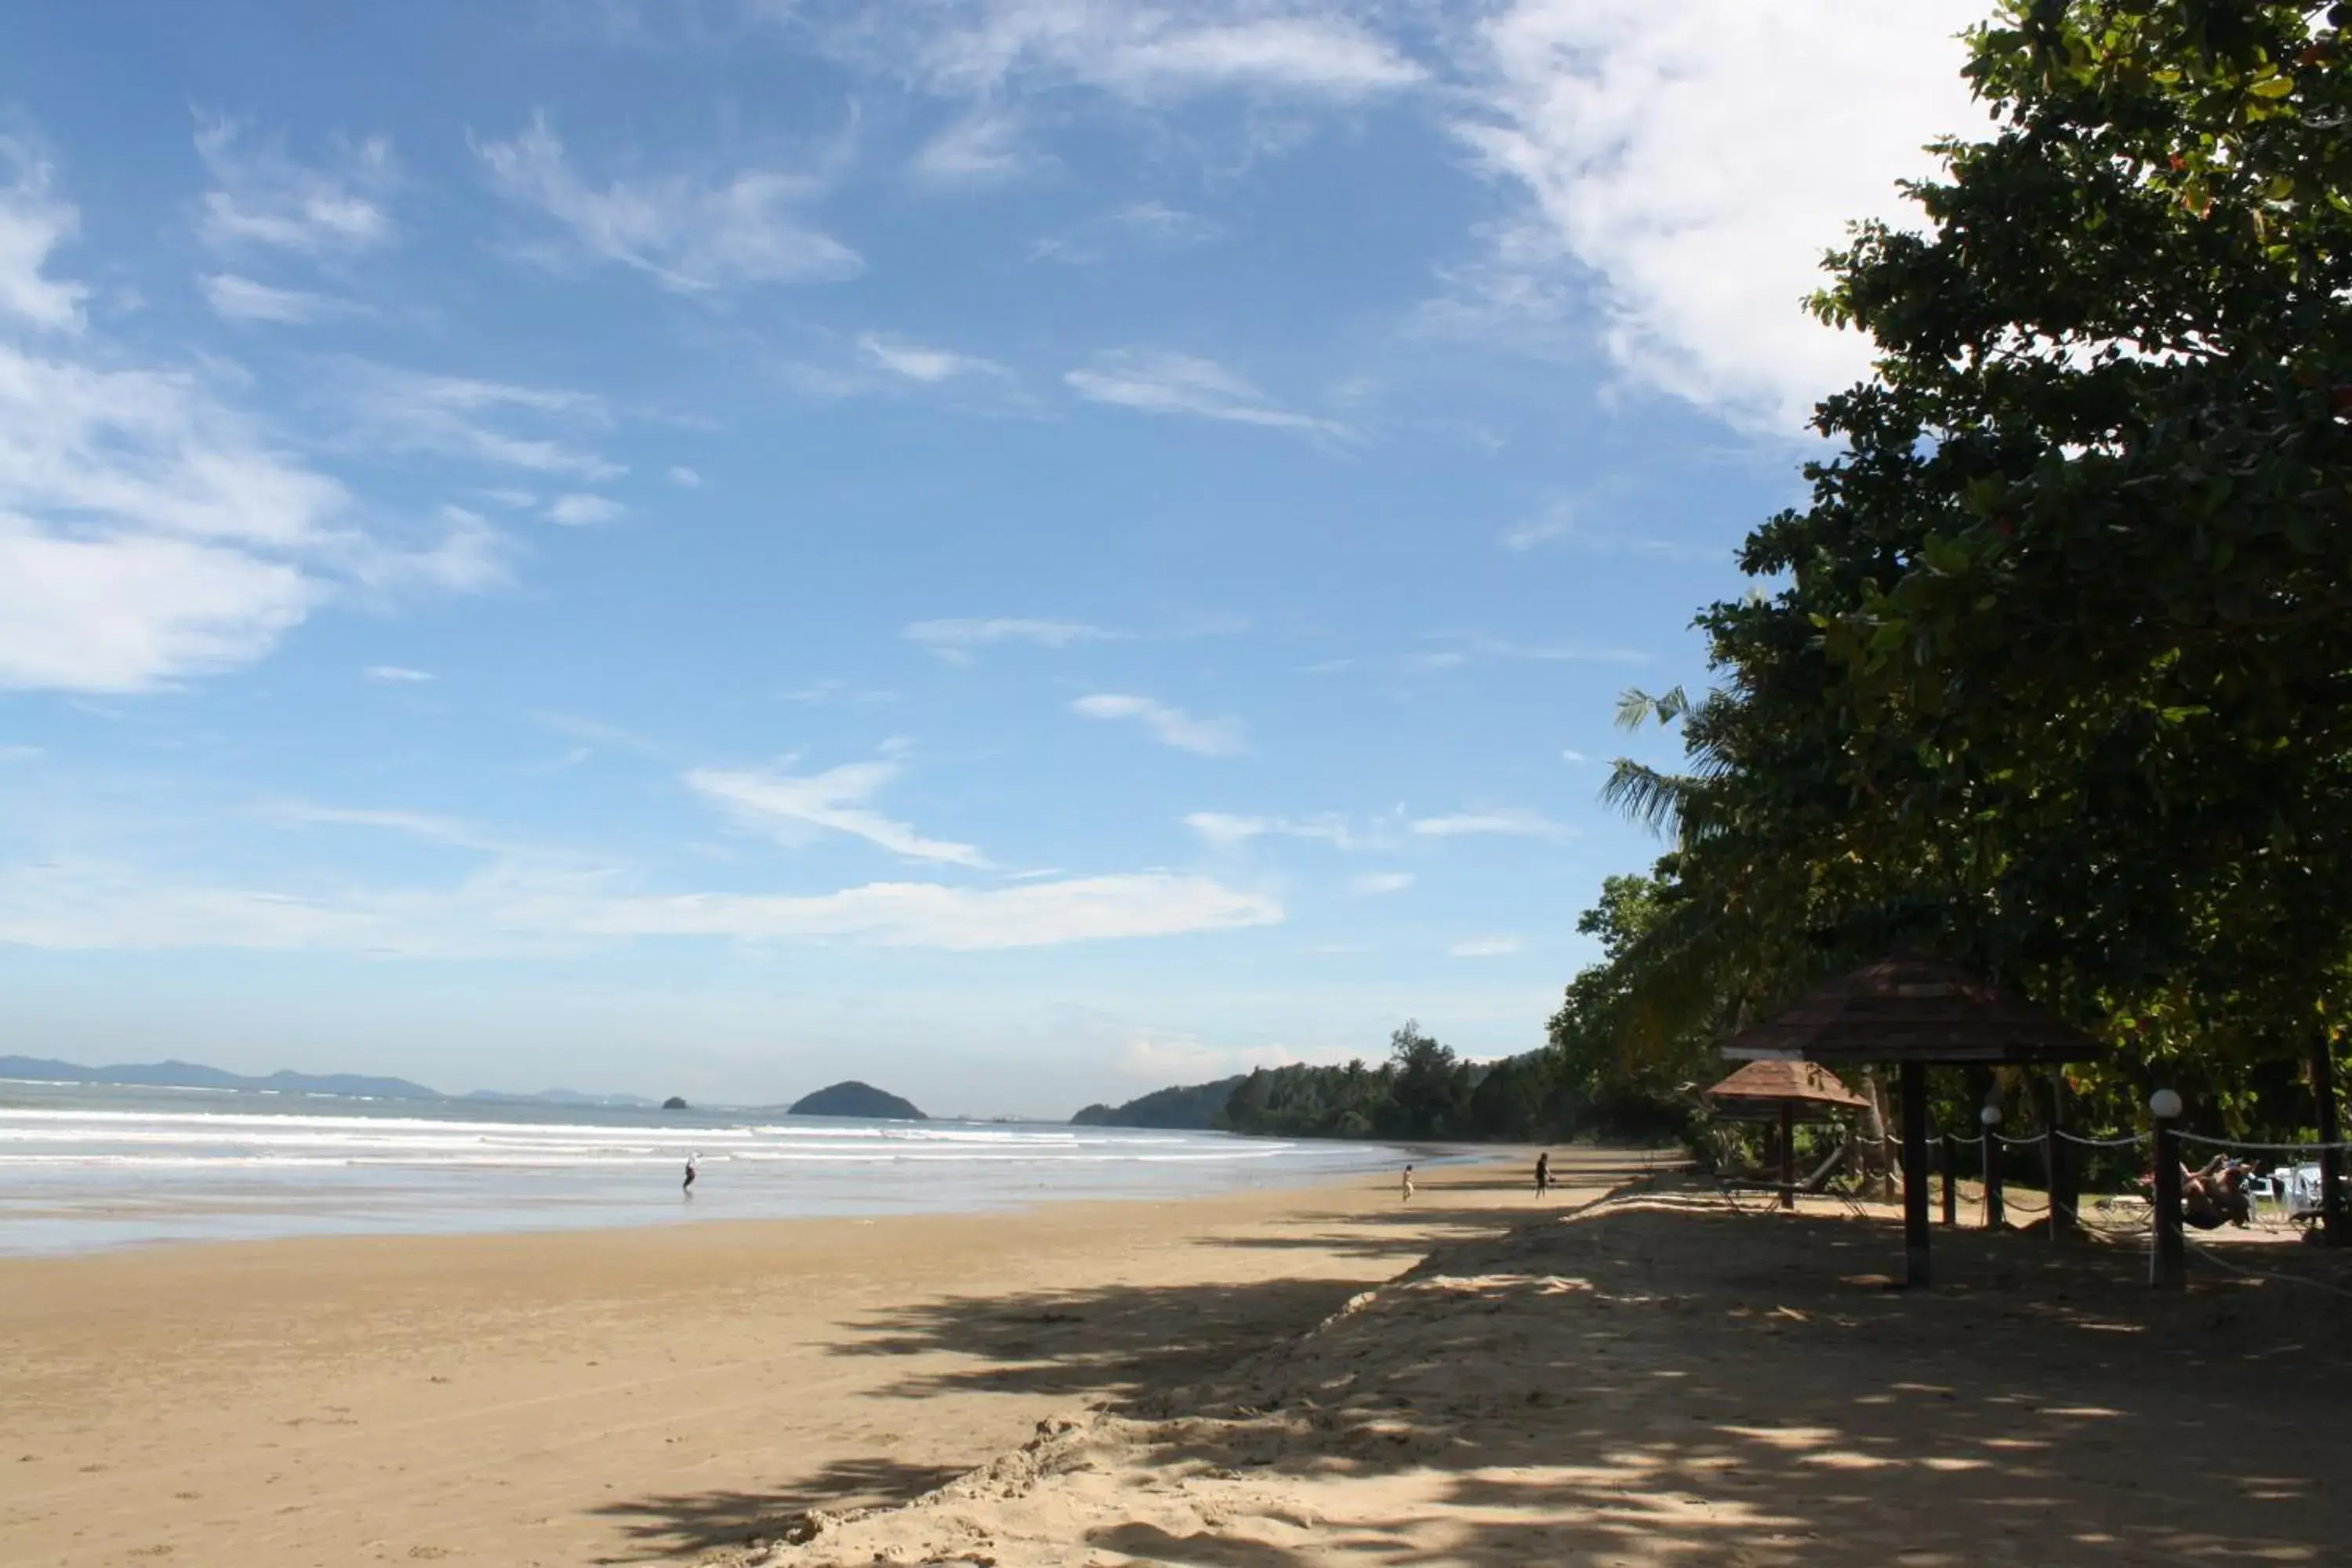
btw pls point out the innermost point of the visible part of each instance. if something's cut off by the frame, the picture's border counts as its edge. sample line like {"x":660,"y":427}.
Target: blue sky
{"x":1022,"y":550}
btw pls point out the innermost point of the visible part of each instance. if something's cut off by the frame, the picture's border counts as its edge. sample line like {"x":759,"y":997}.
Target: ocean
{"x":85,"y":1167}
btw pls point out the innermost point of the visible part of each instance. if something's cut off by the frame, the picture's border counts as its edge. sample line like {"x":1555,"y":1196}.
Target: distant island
{"x":1193,"y":1107}
{"x":851,"y":1098}
{"x":675,"y":1102}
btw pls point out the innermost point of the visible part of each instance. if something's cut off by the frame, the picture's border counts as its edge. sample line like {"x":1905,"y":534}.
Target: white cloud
{"x":81,"y":904}
{"x":150,"y":531}
{"x":1466,"y":647}
{"x":1225,"y":831}
{"x":396,"y":674}
{"x":1168,"y":726}
{"x":1570,"y":755}
{"x":1506,"y":821}
{"x":1153,"y":383}
{"x":916,"y":362}
{"x":580,"y":510}
{"x":1144,"y":223}
{"x":1487,"y":947}
{"x":954,"y":640}
{"x":689,"y":235}
{"x":1695,"y":158}
{"x":1569,"y":523}
{"x":533,"y":428}
{"x":982,"y":148}
{"x":260,"y":197}
{"x":793,"y":808}
{"x":33,"y":223}
{"x":1373,"y":884}
{"x":1185,"y":1058}
{"x":235,"y":298}
{"x":685,"y":478}
{"x":1150,"y":53}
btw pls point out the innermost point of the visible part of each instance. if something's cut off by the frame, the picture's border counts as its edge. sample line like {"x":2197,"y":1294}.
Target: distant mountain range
{"x":192,"y":1075}
{"x":189,"y":1074}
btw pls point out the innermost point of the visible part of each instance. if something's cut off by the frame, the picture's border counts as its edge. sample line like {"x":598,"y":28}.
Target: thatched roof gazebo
{"x":1914,"y":1012}
{"x":1784,"y":1092}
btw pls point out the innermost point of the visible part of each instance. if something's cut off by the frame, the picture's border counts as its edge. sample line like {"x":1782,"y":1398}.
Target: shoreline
{"x":624,"y":1394}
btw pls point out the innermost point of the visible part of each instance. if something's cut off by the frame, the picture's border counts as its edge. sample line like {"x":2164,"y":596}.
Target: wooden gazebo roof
{"x":1908,"y":1007}
{"x":1763,"y":1089}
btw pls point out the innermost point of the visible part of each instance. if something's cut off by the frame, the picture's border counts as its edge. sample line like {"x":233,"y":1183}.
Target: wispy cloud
{"x":150,"y":531}
{"x":536,"y":429}
{"x":1153,"y":383}
{"x":1653,"y":139}
{"x":33,"y":223}
{"x":581,"y":511}
{"x":235,"y":298}
{"x":917,"y":363}
{"x":396,"y":674}
{"x":260,"y":197}
{"x":82,"y":904}
{"x":955,"y":640}
{"x":1464,"y":647}
{"x":685,"y":478}
{"x":1168,"y":726}
{"x":1137,"y":224}
{"x":1373,"y":884}
{"x":822,"y":693}
{"x":1487,"y":947}
{"x":1150,"y":53}
{"x":793,"y":809}
{"x":982,"y":148}
{"x":1569,"y":524}
{"x":1506,"y":821}
{"x":689,"y":235}
{"x":1223,"y":830}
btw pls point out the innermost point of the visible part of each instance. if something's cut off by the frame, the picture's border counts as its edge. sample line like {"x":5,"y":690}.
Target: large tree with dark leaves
{"x":2055,"y":669}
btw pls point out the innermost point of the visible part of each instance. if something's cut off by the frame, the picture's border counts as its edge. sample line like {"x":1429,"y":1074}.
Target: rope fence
{"x":2262,"y":1147}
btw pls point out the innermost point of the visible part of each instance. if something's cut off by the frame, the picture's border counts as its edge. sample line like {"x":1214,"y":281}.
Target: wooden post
{"x":1995,"y":1212}
{"x":1915,"y":1174}
{"x":2168,"y":1258}
{"x":2053,"y":1154}
{"x":1951,"y":1159}
{"x":2331,"y":1160}
{"x":1788,"y":1155}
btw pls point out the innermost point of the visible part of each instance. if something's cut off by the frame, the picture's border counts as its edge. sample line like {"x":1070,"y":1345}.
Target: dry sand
{"x":618,"y":1395}
{"x":1653,"y":1380}
{"x":1659,"y":1380}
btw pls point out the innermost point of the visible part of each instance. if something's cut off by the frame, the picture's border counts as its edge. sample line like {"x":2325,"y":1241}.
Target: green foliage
{"x":2051,"y":673}
{"x":1423,"y":1091}
{"x":1194,"y":1106}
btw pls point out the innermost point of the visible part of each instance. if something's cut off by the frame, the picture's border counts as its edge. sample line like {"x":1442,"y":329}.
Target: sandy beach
{"x":624,"y":1394}
{"x":1282,"y":1378}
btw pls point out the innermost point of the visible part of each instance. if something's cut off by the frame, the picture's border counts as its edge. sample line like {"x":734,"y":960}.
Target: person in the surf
{"x":689,"y":1174}
{"x":1543,"y":1173}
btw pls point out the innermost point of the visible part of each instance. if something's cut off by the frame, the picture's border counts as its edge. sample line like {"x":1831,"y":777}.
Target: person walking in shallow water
{"x":689,"y":1187}
{"x":1408,"y":1184}
{"x":1543,"y":1173}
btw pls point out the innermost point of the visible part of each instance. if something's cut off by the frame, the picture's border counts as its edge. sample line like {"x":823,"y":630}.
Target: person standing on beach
{"x":1408,"y":1184}
{"x":688,"y":1188}
{"x":1543,"y":1173}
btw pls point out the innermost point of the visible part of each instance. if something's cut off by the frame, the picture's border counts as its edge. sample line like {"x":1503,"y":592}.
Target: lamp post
{"x":1995,"y":1214}
{"x":2168,"y":1258}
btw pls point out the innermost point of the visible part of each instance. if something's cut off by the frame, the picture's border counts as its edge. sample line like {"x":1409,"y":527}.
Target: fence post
{"x":1996,"y":1214}
{"x":2331,"y":1159}
{"x":2168,"y":1258}
{"x":2054,"y":1157}
{"x":1949,"y":1158}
